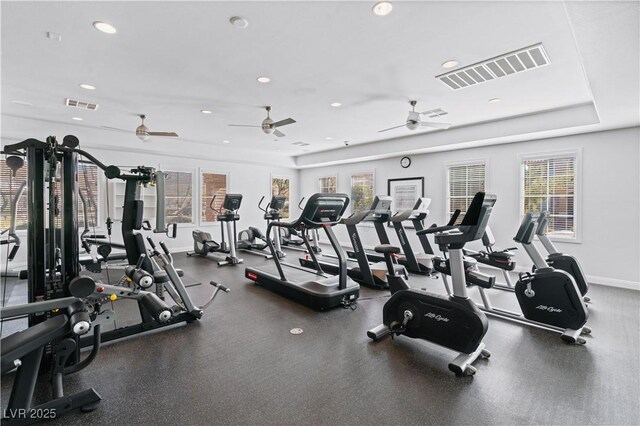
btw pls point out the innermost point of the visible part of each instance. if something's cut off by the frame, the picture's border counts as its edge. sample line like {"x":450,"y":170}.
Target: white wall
{"x":609,"y":248}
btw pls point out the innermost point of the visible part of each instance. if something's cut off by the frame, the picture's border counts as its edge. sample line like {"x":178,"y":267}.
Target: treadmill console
{"x":232,"y":202}
{"x":380,"y":209}
{"x":277,"y":202}
{"x":422,"y":205}
{"x":324,"y":209}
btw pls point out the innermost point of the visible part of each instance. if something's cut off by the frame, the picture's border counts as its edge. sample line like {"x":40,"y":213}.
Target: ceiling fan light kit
{"x":413,"y":121}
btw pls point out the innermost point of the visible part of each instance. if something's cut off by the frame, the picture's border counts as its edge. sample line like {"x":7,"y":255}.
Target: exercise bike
{"x":203,"y":243}
{"x":559,"y":260}
{"x":453,"y":322}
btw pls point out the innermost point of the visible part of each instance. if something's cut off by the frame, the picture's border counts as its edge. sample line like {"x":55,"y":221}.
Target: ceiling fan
{"x":268,"y":125}
{"x":142,"y":131}
{"x":413,"y":121}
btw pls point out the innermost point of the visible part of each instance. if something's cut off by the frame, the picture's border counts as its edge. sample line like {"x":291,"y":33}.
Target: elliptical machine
{"x":453,"y":322}
{"x":203,"y":244}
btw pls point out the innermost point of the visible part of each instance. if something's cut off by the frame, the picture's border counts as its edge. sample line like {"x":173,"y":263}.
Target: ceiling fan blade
{"x":278,"y":133}
{"x":391,"y":128}
{"x":116,"y":129}
{"x":242,"y":125}
{"x":435,"y":125}
{"x":283,"y":122}
{"x":167,"y":134}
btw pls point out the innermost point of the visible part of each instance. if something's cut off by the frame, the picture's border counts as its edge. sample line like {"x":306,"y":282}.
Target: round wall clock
{"x":405,"y":162}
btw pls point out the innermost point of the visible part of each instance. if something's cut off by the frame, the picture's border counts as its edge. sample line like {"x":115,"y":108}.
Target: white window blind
{"x":550,"y":184}
{"x":362,"y":189}
{"x":465,"y":181}
{"x":212,"y":184}
{"x":178,"y":197}
{"x":87,"y":185}
{"x":8,"y":188}
{"x":328,"y":184}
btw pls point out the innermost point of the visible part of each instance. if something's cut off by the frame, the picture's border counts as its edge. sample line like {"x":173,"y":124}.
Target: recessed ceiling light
{"x":382,"y":8}
{"x":263,"y":79}
{"x":76,"y":118}
{"x":328,"y":138}
{"x":239,"y":22}
{"x":104,"y":27}
{"x":336,"y":104}
{"x":22,"y":103}
{"x":494,"y":100}
{"x":87,"y":86}
{"x":206,"y":111}
{"x":450,"y":64}
{"x":226,"y":141}
{"x":306,"y":150}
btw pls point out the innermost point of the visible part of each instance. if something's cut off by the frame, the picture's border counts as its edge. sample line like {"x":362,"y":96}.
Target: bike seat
{"x":387,"y":248}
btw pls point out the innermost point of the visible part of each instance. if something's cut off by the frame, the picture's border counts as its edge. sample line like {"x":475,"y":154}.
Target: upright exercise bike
{"x":559,"y":260}
{"x":453,"y":322}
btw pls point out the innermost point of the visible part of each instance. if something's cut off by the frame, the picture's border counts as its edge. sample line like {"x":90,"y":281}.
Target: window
{"x":550,"y":184}
{"x":328,"y":184}
{"x":464,"y":181}
{"x":281,"y":186}
{"x":89,"y":189}
{"x":361,"y":191}
{"x":9,"y":186}
{"x":87,"y":186}
{"x":178,"y":197}
{"x":212,"y":184}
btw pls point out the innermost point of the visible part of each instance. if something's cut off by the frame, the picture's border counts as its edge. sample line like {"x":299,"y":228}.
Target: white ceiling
{"x":169,"y":60}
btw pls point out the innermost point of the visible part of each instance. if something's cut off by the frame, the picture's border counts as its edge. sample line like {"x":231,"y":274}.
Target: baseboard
{"x":182,"y":249}
{"x":591,"y":279}
{"x":612,"y":282}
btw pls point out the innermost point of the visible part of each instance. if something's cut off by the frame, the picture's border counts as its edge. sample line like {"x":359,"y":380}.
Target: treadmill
{"x":312,"y":288}
{"x":365,"y":273}
{"x":417,"y":263}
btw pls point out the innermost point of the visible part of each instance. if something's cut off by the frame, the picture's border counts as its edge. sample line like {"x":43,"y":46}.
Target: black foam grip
{"x":13,"y":252}
{"x":154,"y":305}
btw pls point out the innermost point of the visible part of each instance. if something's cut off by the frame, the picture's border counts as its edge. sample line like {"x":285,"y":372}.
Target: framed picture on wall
{"x":404,"y":193}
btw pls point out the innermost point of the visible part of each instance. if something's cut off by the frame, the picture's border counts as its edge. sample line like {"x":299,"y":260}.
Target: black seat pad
{"x":387,"y":248}
{"x":23,"y":342}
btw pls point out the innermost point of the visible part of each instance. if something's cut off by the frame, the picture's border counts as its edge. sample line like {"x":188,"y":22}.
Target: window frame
{"x":577,"y":197}
{"x":101,"y":189}
{"x":447,"y":184}
{"x":283,"y":176}
{"x":100,"y":185}
{"x":335,"y":176}
{"x":194,"y":199}
{"x":373,"y":179}
{"x":202,"y":171}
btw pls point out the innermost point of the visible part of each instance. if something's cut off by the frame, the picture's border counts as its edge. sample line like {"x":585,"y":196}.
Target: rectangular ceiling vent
{"x":80,"y":104}
{"x":300,"y":144}
{"x":521,"y":60}
{"x":433,"y":113}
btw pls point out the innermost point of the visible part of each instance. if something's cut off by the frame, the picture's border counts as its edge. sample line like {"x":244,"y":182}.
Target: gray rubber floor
{"x":241,"y":365}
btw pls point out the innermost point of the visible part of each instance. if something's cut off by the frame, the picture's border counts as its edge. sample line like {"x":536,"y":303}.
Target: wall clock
{"x":405,"y":162}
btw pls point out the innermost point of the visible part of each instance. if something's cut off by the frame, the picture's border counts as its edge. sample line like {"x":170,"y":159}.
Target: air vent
{"x":521,"y":60}
{"x":301,"y":144}
{"x":433,"y":113}
{"x":80,"y":104}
